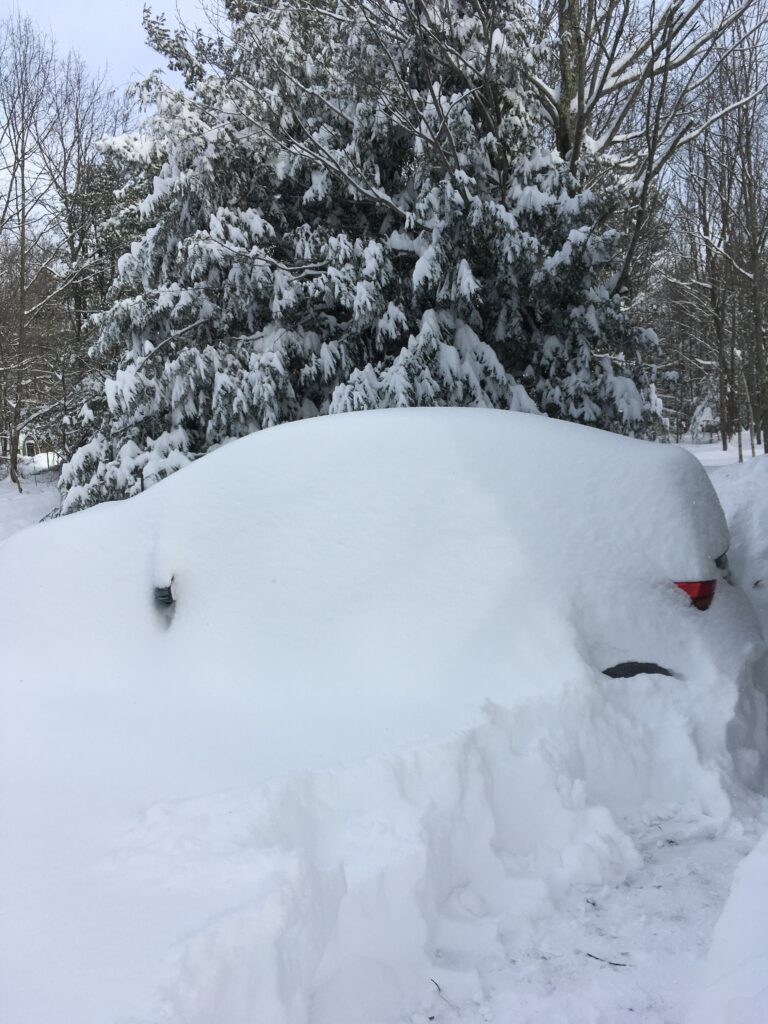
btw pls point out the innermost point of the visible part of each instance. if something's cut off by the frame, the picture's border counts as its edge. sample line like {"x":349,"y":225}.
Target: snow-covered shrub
{"x":704,"y":421}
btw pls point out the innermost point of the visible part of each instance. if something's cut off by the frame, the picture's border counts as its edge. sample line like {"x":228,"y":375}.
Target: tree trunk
{"x":757,"y":304}
{"x":571,"y":59}
{"x":13,"y":457}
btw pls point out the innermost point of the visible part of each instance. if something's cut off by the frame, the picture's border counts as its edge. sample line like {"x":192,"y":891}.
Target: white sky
{"x":105,"y":32}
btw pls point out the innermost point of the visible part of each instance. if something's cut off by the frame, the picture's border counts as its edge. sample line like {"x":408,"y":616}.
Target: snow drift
{"x":355,"y":769}
{"x":743,"y":493}
{"x":736,"y":988}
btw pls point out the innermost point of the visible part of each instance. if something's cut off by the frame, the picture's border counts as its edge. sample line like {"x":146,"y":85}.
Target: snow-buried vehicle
{"x":363,"y":739}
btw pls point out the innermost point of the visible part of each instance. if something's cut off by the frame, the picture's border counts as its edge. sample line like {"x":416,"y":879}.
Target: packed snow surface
{"x":712,"y":456}
{"x":366,"y":768}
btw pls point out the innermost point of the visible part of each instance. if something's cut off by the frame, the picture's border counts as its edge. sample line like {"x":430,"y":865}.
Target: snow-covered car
{"x":605,"y":523}
{"x":367,"y":709}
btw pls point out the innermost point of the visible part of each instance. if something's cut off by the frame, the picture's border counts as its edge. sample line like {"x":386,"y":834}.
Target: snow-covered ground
{"x":17,"y":510}
{"x":711,"y":455}
{"x":368,"y":771}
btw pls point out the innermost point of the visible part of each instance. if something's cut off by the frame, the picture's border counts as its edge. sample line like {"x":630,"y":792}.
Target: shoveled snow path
{"x":633,"y":952}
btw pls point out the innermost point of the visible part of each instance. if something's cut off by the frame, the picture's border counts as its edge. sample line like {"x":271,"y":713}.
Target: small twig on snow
{"x":613,"y":963}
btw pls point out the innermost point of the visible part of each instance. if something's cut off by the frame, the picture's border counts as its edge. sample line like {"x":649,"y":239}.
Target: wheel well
{"x":627,"y":669}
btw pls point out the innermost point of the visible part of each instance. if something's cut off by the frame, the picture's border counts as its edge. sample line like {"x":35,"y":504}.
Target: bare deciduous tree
{"x":54,"y":197}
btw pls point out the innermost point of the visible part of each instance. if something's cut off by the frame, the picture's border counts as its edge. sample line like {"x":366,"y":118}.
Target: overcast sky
{"x":104,"y":32}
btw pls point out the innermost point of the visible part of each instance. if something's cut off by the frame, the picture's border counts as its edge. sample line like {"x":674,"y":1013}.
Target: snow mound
{"x":355,"y":770}
{"x":736,"y":991}
{"x":743,"y":493}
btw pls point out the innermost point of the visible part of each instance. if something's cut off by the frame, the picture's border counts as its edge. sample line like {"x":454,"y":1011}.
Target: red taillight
{"x":701,"y":592}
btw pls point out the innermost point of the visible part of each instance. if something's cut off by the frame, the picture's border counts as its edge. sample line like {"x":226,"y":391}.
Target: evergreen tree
{"x":360,"y":205}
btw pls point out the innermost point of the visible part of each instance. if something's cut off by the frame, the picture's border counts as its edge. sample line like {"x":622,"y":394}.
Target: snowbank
{"x":736,"y":991}
{"x":360,"y":765}
{"x":736,"y":985}
{"x":743,"y":493}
